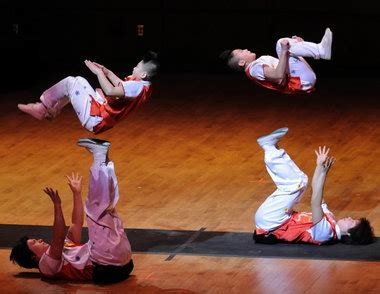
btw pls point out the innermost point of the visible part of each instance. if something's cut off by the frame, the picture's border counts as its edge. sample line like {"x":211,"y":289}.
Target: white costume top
{"x":74,"y":264}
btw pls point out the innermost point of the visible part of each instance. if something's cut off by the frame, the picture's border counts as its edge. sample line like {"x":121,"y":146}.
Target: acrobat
{"x":276,"y":220}
{"x":107,"y":256}
{"x":287,"y":74}
{"x":98,"y":110}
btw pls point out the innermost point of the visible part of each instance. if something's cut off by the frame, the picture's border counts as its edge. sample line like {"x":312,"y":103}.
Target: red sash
{"x":292,"y":86}
{"x":296,"y":229}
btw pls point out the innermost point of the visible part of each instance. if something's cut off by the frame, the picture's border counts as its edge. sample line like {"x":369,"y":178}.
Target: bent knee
{"x":69,"y":79}
{"x":278,"y":44}
{"x":280,"y":40}
{"x":80,"y":79}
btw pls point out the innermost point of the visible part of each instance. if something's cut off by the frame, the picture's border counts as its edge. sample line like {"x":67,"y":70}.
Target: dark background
{"x":39,"y":39}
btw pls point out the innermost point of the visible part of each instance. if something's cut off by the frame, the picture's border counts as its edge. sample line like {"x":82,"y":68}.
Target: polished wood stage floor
{"x":188,"y":160}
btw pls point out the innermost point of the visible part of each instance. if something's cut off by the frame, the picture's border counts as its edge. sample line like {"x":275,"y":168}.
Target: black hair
{"x":228,"y":57}
{"x":109,"y":274}
{"x":361,"y":234}
{"x":150,"y":59}
{"x":22,"y":255}
{"x":149,"y":56}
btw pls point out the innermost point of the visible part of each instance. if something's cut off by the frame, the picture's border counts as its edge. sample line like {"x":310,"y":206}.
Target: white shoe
{"x":94,"y":145}
{"x":326,"y":44}
{"x":37,"y":110}
{"x":273,"y":138}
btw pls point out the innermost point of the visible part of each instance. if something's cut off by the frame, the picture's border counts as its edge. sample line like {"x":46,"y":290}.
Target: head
{"x":356,"y":232}
{"x":27,"y":252}
{"x":238,"y":59}
{"x":147,"y":68}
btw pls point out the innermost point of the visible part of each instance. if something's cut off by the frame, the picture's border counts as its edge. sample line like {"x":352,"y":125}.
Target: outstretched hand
{"x":103,"y":68}
{"x":75,"y":182}
{"x":323,"y":159}
{"x":328,"y":163}
{"x":322,"y":154}
{"x":54,"y":196}
{"x":93,"y":67}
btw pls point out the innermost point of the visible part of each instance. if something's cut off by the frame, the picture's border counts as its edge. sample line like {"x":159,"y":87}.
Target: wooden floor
{"x":188,"y":159}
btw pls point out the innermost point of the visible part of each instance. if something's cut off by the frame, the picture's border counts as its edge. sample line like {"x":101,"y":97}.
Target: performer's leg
{"x":321,"y":50}
{"x":298,"y":67}
{"x":284,"y":172}
{"x":290,"y":181}
{"x":108,"y":241}
{"x":74,"y":90}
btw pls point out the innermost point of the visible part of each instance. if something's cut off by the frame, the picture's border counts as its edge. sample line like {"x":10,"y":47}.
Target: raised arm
{"x":108,"y":88}
{"x":323,"y":165}
{"x":59,"y":235}
{"x":279,"y":74}
{"x":77,"y":216}
{"x":115,"y":80}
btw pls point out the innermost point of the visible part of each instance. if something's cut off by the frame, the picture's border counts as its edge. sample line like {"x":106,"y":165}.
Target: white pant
{"x":78,"y":92}
{"x":298,"y":67}
{"x":291,"y":183}
{"x":109,"y":244}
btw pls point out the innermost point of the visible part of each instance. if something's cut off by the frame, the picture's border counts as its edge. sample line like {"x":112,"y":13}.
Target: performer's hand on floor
{"x":75,"y":182}
{"x":54,"y":196}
